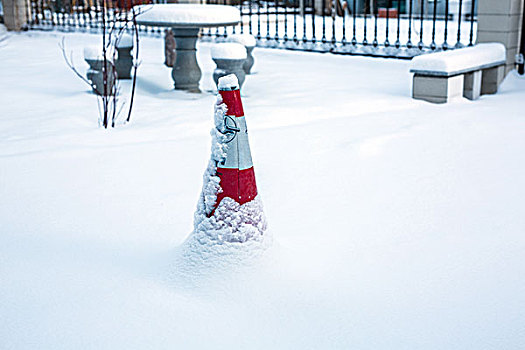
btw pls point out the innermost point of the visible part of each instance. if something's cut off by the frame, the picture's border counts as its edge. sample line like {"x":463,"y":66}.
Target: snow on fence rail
{"x":347,"y":27}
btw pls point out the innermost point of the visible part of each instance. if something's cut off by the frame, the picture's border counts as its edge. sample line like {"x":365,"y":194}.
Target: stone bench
{"x":469,"y":72}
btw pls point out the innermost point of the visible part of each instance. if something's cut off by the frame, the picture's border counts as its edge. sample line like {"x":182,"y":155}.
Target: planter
{"x":229,"y":66}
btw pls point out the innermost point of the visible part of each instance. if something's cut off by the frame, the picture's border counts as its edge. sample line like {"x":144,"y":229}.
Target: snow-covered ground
{"x":396,"y":224}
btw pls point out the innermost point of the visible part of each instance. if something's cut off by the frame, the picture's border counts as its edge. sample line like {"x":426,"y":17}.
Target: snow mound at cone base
{"x":233,"y":222}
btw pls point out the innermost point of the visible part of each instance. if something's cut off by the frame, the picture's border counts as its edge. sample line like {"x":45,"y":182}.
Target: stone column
{"x":16,"y":14}
{"x":500,"y":21}
{"x":186,"y":72}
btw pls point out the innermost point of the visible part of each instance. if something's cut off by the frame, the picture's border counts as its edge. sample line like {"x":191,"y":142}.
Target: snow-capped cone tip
{"x":228,"y":82}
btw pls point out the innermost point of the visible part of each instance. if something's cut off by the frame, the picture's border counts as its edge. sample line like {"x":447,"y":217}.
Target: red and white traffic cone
{"x":229,"y":209}
{"x":236,"y":169}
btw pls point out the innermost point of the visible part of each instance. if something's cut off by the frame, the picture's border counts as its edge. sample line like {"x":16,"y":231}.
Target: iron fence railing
{"x":387,"y":28}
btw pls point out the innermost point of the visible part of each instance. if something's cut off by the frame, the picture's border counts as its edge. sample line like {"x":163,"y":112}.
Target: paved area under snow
{"x":396,"y":224}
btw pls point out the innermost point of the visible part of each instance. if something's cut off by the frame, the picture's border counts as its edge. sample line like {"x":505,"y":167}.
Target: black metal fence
{"x":391,"y":28}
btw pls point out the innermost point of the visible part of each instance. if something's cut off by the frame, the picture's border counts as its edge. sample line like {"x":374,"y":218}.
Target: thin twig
{"x":136,"y":64}
{"x":70,"y":64}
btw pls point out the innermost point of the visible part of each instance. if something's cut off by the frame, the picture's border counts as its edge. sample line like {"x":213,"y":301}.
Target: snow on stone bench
{"x":182,"y":15}
{"x":468,"y":72}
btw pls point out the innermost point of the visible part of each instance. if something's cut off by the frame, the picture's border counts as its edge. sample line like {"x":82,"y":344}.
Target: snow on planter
{"x":229,"y":223}
{"x":188,"y":14}
{"x":124,"y":41}
{"x":247,"y":40}
{"x":95,"y":53}
{"x":455,"y":61}
{"x":228,"y":51}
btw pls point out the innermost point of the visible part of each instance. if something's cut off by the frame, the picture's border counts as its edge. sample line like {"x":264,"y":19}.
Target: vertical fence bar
{"x":472,"y":10}
{"x":409,"y":42}
{"x":242,"y":19}
{"x":250,"y":17}
{"x":420,"y":45}
{"x":276,"y":36}
{"x":313,"y":22}
{"x":398,"y":33}
{"x":267,"y":23}
{"x":445,"y":35}
{"x":433,"y":43}
{"x":234,"y":28}
{"x":334,"y":14}
{"x":303,"y":9}
{"x":365,"y":34}
{"x":285,"y":37}
{"x":354,"y":15}
{"x":224,"y":29}
{"x":34,"y":12}
{"x":387,"y":33}
{"x":458,"y":43}
{"x":295,"y":7}
{"x":323,"y":9}
{"x":85,"y":16}
{"x":258,"y":20}
{"x":343,"y":39}
{"x":375,"y":43}
{"x":90,"y":13}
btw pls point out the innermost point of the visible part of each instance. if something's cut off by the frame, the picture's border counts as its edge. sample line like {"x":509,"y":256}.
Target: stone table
{"x":186,"y":20}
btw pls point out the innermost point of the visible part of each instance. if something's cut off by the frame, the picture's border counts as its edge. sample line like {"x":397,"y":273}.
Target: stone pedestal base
{"x":186,"y":72}
{"x":492,"y":78}
{"x":229,"y":66}
{"x":437,"y":89}
{"x":472,"y":85}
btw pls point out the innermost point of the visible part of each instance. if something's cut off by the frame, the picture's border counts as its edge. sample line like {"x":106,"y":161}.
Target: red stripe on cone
{"x":232,"y":99}
{"x":237,"y":184}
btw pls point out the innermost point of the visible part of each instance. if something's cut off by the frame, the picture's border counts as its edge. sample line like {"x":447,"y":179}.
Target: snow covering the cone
{"x":461,"y":59}
{"x":247,"y":40}
{"x":228,"y":82}
{"x":230,"y":240}
{"x":125,"y":40}
{"x":188,"y":14}
{"x":211,"y":181}
{"x":232,"y":222}
{"x":229,"y":51}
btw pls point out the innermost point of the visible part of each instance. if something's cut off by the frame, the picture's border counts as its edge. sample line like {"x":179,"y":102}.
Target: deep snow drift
{"x":396,"y":224}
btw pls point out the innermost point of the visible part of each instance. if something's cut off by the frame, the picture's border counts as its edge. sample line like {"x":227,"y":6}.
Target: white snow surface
{"x":461,"y":59}
{"x":396,"y":223}
{"x":247,"y":40}
{"x":188,"y":14}
{"x":228,"y":51}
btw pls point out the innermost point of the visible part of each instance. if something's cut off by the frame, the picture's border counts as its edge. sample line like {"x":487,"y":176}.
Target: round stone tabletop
{"x":187,"y":15}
